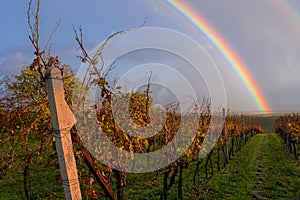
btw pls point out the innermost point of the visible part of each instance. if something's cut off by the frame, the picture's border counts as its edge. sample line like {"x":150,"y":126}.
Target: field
{"x":261,"y":170}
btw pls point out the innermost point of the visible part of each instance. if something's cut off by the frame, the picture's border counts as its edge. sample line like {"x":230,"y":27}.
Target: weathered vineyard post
{"x":63,"y":120}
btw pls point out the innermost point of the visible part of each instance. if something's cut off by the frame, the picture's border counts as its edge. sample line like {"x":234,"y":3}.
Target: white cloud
{"x":13,"y":59}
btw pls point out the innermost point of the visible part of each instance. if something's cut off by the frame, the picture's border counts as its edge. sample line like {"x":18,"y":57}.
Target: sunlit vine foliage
{"x":288,"y":127}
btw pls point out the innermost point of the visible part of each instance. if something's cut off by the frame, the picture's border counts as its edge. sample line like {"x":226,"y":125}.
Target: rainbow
{"x":224,"y":48}
{"x":289,"y":11}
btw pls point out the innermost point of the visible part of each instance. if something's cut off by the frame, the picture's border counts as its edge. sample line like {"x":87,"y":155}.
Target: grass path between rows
{"x":261,"y":170}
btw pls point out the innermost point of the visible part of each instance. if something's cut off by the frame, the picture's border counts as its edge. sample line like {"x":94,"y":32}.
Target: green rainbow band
{"x":233,"y":59}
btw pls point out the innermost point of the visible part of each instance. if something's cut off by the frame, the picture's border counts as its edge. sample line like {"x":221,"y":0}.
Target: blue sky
{"x":265,"y":38}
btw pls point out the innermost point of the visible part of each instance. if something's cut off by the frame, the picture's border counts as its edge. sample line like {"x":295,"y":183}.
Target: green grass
{"x":261,"y":170}
{"x":280,"y":172}
{"x":43,"y":182}
{"x":145,"y":186}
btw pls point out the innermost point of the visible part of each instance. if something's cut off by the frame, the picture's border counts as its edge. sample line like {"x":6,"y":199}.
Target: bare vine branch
{"x":94,"y":60}
{"x":29,"y":18}
{"x":51,"y":36}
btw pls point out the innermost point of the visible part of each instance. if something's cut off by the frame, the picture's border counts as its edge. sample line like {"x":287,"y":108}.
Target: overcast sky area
{"x":264,"y":33}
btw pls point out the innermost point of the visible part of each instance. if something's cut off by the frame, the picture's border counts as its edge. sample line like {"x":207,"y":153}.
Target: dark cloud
{"x":264,"y":37}
{"x":265,"y":40}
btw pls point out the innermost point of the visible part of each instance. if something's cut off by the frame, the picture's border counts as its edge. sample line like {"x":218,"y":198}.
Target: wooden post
{"x":63,"y":120}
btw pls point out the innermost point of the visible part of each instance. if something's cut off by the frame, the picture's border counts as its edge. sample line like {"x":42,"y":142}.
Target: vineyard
{"x":288,"y":127}
{"x":241,"y":160}
{"x":246,"y":162}
{"x":27,"y":142}
{"x":29,"y":166}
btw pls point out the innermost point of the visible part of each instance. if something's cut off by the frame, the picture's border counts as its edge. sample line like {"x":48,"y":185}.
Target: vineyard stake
{"x":63,"y":120}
